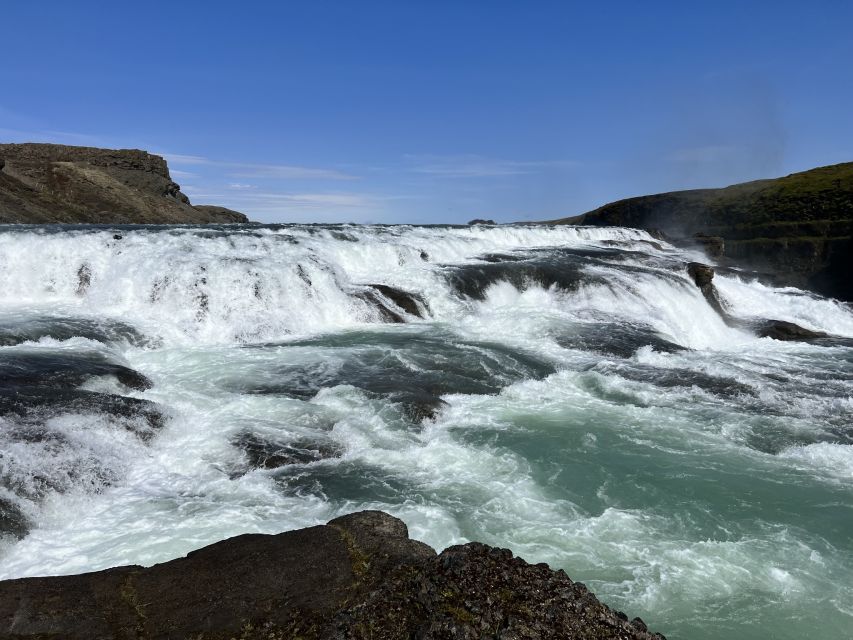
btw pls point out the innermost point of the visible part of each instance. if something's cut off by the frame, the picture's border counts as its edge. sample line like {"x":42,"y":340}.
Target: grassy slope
{"x":798,"y":226}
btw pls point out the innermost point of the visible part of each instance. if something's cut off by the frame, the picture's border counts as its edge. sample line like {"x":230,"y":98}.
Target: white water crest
{"x":567,"y":392}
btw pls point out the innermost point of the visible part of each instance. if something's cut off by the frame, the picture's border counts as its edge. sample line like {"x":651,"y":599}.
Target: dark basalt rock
{"x":12,"y":521}
{"x":782,"y":330}
{"x":620,"y":340}
{"x":411,"y":303}
{"x":263,"y":453}
{"x":58,"y":369}
{"x":358,"y":577}
{"x":375,"y":300}
{"x":480,"y":221}
{"x":702,"y":275}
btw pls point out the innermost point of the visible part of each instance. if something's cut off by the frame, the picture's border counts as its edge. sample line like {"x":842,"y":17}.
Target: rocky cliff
{"x":52,"y":183}
{"x":358,"y":577}
{"x":797,"y":228}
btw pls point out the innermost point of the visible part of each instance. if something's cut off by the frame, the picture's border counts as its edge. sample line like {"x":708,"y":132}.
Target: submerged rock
{"x":263,"y":453}
{"x":782,"y":330}
{"x":358,"y":577}
{"x":411,"y":303}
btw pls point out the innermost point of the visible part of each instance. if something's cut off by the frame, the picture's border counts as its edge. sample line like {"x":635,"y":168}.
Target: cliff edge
{"x":358,"y":577}
{"x":797,"y":228}
{"x":54,"y":183}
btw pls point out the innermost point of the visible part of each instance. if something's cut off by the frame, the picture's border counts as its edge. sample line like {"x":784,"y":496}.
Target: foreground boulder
{"x":55,"y":183}
{"x":360,"y":576}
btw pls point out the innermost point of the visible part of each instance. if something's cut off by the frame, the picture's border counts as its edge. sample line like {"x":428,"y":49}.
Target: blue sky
{"x":436,"y":111}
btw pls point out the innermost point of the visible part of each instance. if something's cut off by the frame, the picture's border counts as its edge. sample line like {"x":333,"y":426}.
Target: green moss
{"x":458,"y":613}
{"x":359,"y":560}
{"x":131,"y":598}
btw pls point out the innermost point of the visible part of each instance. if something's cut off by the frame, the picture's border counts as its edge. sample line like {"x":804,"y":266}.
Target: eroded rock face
{"x":358,"y":577}
{"x":54,"y":183}
{"x":702,"y":274}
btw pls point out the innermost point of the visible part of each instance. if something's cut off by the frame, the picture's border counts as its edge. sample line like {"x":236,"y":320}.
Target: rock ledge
{"x":359,"y":576}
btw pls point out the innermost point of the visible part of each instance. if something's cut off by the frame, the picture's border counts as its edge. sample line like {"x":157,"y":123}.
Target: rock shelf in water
{"x":359,"y":576}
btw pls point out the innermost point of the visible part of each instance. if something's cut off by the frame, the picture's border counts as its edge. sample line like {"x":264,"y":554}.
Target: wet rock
{"x":84,"y":279}
{"x":702,"y":275}
{"x":621,"y":340}
{"x":267,"y":454}
{"x":65,"y":328}
{"x":358,"y":577}
{"x":788,"y":331}
{"x":411,"y":303}
{"x":13,"y":522}
{"x":376,"y":301}
{"x":59,"y":369}
{"x":480,"y":221}
{"x":33,"y":405}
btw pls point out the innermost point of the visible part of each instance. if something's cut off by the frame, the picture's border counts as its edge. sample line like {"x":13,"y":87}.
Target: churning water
{"x":565,"y":392}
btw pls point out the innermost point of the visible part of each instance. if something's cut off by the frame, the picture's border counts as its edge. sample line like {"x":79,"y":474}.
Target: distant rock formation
{"x":797,"y":228}
{"x":477,"y":221}
{"x":54,"y":183}
{"x":358,"y":577}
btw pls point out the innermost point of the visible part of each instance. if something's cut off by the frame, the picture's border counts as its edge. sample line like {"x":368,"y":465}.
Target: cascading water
{"x":566,"y":392}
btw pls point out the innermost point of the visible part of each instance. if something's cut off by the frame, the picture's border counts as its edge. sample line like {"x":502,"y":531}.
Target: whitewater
{"x":566,"y":392}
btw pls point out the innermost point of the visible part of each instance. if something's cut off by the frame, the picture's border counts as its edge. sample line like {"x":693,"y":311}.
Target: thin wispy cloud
{"x":476,"y":166}
{"x":177,"y":173}
{"x":249,"y":170}
{"x":272,"y":201}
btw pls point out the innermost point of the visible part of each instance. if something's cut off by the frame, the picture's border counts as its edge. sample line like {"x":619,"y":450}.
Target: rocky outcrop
{"x":703,"y":276}
{"x":53,"y":183}
{"x":788,"y":331}
{"x":358,"y":577}
{"x":797,"y":228}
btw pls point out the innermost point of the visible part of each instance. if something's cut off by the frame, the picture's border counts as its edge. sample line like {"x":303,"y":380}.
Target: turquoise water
{"x":568,"y":393}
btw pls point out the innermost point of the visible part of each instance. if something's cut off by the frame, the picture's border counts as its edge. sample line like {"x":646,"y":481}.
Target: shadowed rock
{"x":782,"y":330}
{"x":62,"y":369}
{"x":358,"y":577}
{"x":411,"y":303}
{"x":263,"y":453}
{"x":702,"y":275}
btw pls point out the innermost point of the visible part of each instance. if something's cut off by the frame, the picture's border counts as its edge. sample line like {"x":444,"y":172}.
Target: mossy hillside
{"x":798,"y":227}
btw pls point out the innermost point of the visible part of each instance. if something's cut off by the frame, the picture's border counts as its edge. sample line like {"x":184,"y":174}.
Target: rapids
{"x":566,"y":392}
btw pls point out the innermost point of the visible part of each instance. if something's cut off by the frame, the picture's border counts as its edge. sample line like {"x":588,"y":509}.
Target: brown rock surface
{"x":53,"y":183}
